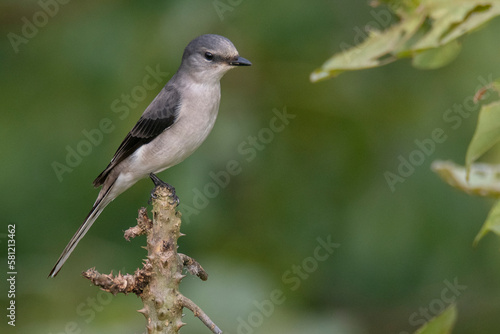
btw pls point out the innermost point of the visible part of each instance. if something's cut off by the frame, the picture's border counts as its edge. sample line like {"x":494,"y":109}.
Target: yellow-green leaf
{"x":487,"y":133}
{"x":484,"y":179}
{"x":374,"y":51}
{"x":442,"y":324}
{"x":426,"y":29}
{"x":443,"y":16}
{"x":482,"y":13}
{"x":437,"y":57}
{"x":492,"y":223}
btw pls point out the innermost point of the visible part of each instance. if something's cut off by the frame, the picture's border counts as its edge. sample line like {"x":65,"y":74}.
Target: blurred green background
{"x":321,"y":177}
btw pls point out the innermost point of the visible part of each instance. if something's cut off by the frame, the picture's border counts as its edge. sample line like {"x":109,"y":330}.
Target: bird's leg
{"x":157,"y":182}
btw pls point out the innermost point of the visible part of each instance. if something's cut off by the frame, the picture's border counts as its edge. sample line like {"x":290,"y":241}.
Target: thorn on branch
{"x":120,"y":283}
{"x":143,"y":225}
{"x":157,"y":283}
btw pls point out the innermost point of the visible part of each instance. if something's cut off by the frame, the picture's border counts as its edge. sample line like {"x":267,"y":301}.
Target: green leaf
{"x":375,"y":50}
{"x":427,"y":30}
{"x":487,"y":133}
{"x":444,"y":16}
{"x":492,"y":223}
{"x":442,"y":324}
{"x":437,"y":57}
{"x":484,"y":179}
{"x":482,"y":13}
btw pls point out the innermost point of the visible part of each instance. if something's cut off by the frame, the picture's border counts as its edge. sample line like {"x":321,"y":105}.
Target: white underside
{"x":197,"y":115}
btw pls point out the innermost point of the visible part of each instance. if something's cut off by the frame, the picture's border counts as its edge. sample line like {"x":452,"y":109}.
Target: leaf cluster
{"x":427,"y":31}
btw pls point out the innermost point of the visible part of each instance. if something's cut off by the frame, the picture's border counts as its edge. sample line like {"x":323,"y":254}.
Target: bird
{"x":171,"y":128}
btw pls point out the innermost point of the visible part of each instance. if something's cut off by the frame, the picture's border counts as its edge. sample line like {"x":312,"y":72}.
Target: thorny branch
{"x":157,"y":282}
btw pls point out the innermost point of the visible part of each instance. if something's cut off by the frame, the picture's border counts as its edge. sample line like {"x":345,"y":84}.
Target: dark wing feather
{"x":158,"y":116}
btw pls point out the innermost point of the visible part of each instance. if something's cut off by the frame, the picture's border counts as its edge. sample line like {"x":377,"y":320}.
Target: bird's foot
{"x":159,"y":183}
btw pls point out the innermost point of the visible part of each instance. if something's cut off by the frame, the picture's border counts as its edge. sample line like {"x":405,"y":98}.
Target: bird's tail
{"x":102,"y":201}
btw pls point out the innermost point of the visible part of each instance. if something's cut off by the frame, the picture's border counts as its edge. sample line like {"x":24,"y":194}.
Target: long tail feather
{"x":99,"y":205}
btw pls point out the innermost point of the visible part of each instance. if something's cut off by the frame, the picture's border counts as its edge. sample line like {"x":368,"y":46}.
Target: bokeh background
{"x":321,"y":177}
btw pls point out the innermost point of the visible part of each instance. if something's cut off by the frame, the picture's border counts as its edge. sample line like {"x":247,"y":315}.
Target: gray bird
{"x":171,"y":128}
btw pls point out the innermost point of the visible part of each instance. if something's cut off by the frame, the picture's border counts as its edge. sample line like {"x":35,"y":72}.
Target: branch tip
{"x":120,"y":283}
{"x":198,"y":312}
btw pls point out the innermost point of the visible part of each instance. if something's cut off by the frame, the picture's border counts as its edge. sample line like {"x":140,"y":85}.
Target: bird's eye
{"x":209,"y":56}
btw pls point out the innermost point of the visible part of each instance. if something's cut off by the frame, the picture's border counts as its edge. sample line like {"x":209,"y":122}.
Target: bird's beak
{"x":240,"y":62}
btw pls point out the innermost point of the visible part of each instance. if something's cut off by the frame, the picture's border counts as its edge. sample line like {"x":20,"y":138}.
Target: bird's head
{"x":209,"y":57}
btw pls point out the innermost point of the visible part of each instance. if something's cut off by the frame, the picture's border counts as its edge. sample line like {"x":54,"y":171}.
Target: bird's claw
{"x":159,"y":183}
{"x":176,"y":199}
{"x":152,"y":196}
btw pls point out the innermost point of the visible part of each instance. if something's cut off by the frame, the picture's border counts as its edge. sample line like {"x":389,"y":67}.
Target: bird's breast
{"x":196,"y":118}
{"x":197,"y":115}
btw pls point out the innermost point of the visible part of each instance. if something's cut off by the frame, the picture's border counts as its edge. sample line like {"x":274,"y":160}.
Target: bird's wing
{"x":157,"y":117}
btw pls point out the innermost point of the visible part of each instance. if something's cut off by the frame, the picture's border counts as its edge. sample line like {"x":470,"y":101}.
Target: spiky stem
{"x":161,"y":297}
{"x":157,"y":283}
